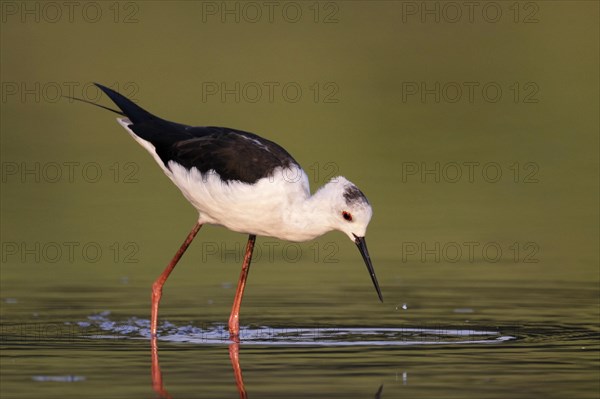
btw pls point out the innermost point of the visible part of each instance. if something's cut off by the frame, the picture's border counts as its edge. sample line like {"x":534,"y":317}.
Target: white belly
{"x":263,"y":208}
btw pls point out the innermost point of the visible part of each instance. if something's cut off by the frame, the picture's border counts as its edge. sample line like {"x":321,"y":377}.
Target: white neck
{"x":310,"y":217}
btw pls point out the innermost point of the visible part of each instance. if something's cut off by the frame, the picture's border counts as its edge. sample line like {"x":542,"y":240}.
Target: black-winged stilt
{"x":247,"y":184}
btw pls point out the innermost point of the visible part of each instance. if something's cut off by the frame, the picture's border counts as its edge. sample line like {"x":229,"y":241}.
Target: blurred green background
{"x":471,"y":128}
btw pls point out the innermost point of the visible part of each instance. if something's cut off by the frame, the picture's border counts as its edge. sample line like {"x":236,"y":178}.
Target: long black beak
{"x":362,"y":247}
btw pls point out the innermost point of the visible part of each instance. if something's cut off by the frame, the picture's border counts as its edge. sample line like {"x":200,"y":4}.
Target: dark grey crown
{"x":353,"y":195}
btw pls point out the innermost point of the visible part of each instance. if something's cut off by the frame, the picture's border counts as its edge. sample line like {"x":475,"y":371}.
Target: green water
{"x":485,"y":205}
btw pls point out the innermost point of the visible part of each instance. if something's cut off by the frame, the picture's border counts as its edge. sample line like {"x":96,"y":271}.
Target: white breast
{"x":264,"y":208}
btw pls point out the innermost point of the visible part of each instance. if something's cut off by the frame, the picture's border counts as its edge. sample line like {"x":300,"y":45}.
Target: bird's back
{"x":235,"y":155}
{"x":232,"y":177}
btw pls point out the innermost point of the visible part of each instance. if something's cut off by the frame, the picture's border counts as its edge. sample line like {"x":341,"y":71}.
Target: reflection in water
{"x":157,"y":380}
{"x":234,"y":356}
{"x":331,"y":337}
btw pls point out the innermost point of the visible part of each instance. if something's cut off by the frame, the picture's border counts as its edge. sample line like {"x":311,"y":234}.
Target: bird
{"x":245,"y":183}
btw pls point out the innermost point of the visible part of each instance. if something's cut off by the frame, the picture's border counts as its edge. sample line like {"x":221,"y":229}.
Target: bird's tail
{"x":128,"y":108}
{"x":132,"y":111}
{"x":97,"y":105}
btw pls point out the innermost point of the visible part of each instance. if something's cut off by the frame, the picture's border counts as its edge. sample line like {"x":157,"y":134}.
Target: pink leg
{"x":234,"y":318}
{"x":157,"y":381}
{"x":160,"y":281}
{"x":234,"y":356}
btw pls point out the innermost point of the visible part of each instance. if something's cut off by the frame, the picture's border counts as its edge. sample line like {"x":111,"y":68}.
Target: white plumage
{"x":279,"y":205}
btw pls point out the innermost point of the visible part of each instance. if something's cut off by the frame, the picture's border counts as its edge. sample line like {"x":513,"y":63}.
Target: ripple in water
{"x":136,"y":328}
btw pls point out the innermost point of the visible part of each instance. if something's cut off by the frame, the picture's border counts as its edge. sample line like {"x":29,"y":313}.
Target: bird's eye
{"x":347,"y":216}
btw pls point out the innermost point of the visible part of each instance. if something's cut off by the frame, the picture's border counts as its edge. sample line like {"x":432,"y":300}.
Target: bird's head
{"x":351,"y":213}
{"x":350,"y":210}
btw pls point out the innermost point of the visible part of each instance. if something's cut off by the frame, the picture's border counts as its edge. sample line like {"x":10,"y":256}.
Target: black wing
{"x":233,"y":154}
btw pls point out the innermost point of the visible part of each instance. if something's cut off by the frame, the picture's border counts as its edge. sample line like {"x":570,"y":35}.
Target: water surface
{"x":490,"y":278}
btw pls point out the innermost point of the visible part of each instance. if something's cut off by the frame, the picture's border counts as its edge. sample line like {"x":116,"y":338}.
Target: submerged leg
{"x":160,"y":281}
{"x":234,"y":318}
